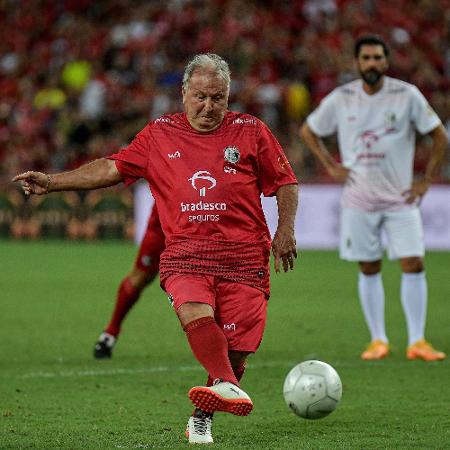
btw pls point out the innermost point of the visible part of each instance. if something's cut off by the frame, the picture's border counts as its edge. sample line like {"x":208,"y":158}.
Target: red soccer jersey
{"x":207,"y":188}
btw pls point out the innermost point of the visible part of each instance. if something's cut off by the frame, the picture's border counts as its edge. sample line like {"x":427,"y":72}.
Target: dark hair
{"x":370,"y":39}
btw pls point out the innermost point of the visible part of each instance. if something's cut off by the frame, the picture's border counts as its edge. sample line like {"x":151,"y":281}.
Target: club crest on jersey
{"x":231,"y":154}
{"x":390,"y":121}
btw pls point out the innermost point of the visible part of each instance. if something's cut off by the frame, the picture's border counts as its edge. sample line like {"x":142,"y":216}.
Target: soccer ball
{"x":312,"y":389}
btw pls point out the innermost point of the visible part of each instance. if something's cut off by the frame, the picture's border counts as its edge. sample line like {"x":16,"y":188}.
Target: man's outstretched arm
{"x":94,"y":175}
{"x":284,"y":247}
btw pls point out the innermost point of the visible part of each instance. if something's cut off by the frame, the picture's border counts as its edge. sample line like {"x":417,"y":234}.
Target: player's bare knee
{"x":139,"y":278}
{"x":191,"y":311}
{"x":370,"y":267}
{"x":412,"y":265}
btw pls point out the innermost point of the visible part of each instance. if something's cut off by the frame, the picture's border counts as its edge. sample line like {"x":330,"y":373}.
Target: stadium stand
{"x":78,"y":78}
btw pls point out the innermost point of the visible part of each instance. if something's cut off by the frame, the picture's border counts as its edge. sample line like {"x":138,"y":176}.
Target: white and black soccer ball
{"x":312,"y":389}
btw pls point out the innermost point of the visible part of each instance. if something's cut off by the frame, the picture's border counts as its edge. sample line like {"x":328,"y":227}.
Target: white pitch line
{"x":116,"y":371}
{"x":158,"y":369}
{"x":123,"y":371}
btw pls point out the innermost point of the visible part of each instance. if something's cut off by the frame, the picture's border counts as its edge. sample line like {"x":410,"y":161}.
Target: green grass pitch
{"x":56,"y":297}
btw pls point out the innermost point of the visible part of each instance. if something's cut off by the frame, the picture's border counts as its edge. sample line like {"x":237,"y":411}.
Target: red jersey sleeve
{"x":131,"y":161}
{"x":274,"y":167}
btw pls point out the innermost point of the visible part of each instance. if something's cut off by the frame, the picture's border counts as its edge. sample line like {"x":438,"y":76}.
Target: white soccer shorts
{"x":361,"y":234}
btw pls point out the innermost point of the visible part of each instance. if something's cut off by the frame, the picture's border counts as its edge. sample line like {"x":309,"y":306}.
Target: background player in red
{"x":144,"y":271}
{"x":207,"y":168}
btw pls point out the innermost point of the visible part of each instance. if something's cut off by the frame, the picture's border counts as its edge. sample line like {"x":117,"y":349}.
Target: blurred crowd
{"x":78,"y":78}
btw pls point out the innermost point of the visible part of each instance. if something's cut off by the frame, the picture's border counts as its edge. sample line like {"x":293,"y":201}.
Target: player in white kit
{"x":375,"y":118}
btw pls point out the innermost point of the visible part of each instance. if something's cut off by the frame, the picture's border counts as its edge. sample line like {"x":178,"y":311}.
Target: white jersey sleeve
{"x":423,"y":116}
{"x":323,"y":120}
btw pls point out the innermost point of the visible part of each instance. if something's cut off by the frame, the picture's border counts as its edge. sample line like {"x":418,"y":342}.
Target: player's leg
{"x":241,"y":314}
{"x":361,"y":241}
{"x":238,"y":361}
{"x":371,"y":296}
{"x":144,"y":271}
{"x":406,"y":243}
{"x":243,"y":328}
{"x":238,"y":364}
{"x":199,"y":426}
{"x":414,"y":297}
{"x":193,"y":298}
{"x":128,"y":293}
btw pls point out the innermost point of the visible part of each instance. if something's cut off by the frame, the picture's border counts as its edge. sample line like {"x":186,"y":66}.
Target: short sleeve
{"x":131,"y":161}
{"x":423,"y":115}
{"x":323,"y":120}
{"x":274,"y":167}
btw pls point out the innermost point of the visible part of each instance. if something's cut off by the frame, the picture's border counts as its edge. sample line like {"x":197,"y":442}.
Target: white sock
{"x":371,"y":296}
{"x":414,"y":295}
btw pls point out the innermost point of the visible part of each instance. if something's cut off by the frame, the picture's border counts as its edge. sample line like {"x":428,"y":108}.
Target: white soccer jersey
{"x":376,"y":136}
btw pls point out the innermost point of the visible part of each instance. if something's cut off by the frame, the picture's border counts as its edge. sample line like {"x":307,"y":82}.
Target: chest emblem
{"x":231,"y":154}
{"x":390,"y":121}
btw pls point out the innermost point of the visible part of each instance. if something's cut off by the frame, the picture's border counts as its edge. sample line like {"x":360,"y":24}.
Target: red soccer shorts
{"x":239,"y":310}
{"x":152,"y":245}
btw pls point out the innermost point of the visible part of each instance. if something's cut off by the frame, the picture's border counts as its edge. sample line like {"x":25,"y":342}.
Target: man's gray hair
{"x":206,"y":60}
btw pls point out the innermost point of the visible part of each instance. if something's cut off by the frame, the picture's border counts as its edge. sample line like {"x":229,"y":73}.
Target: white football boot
{"x":198,"y":429}
{"x":222,"y":396}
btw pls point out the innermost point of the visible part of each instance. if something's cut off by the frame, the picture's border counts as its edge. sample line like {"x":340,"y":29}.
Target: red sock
{"x":239,"y":373}
{"x":210,"y":347}
{"x":127,"y":296}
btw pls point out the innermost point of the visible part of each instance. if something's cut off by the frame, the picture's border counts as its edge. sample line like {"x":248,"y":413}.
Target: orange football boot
{"x":375,"y":350}
{"x":424,"y":350}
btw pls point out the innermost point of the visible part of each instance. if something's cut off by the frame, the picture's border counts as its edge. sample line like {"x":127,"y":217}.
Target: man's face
{"x":372,"y":63}
{"x":205,"y":100}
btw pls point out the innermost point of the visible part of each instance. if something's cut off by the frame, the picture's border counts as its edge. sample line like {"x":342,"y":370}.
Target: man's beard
{"x":372,"y":76}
